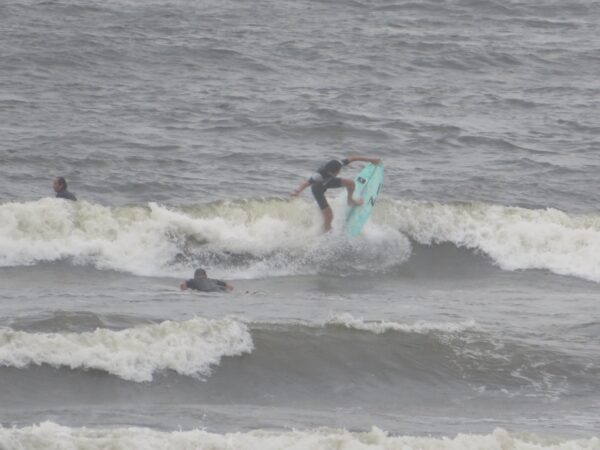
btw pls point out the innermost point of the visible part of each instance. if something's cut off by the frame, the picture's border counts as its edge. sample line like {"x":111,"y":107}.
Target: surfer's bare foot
{"x":358,"y":202}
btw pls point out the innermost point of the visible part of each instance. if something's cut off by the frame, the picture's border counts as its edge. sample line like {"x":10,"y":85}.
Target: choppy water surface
{"x":465,"y":315}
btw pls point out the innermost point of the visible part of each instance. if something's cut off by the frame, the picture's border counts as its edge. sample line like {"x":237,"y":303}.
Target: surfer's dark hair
{"x":62,"y":181}
{"x":200,"y":273}
{"x":332,"y":166}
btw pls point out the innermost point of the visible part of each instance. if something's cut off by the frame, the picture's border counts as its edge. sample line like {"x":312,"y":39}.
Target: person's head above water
{"x":201,"y":282}
{"x":59,"y":184}
{"x":200,"y":273}
{"x":332,"y":167}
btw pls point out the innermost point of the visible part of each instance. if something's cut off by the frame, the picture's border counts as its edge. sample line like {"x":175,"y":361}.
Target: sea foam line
{"x":50,"y":435}
{"x":189,"y":348}
{"x":382,"y":326}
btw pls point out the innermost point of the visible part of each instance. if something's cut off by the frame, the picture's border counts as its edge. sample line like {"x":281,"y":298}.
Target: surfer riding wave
{"x":325,"y":178}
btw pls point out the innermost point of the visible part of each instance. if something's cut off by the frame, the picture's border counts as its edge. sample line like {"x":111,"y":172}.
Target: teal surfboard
{"x":368,"y":185}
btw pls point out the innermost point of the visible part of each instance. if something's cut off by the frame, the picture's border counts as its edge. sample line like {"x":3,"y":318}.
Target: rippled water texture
{"x":464,"y":315}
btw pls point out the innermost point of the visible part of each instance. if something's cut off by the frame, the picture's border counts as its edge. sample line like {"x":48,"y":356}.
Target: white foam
{"x":128,"y":238}
{"x":420,"y":327}
{"x":259,"y":238}
{"x":50,"y":435}
{"x":238,"y":239}
{"x":189,"y":348}
{"x":515,"y":238}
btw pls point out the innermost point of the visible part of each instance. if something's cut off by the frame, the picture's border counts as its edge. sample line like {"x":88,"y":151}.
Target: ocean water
{"x":464,"y":316}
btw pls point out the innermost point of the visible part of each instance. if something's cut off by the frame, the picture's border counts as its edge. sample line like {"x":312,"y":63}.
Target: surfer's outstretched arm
{"x":303,"y":186}
{"x":364,"y":159}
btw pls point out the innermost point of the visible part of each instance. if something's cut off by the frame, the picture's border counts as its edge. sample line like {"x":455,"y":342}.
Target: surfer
{"x":201,"y":282}
{"x":60,"y":187}
{"x":326,"y":178}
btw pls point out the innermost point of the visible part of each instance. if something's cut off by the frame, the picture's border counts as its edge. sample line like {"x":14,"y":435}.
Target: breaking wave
{"x":274,"y":237}
{"x":188,"y":348}
{"x":51,"y":435}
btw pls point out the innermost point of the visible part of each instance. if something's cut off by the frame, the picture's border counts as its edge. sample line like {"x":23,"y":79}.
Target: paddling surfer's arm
{"x":224,"y":285}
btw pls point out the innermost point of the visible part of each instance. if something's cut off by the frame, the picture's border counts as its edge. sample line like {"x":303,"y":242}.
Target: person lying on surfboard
{"x":326,"y":178}
{"x":201,"y":282}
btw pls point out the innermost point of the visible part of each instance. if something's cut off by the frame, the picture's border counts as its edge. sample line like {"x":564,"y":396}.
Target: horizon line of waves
{"x":49,"y":434}
{"x":189,"y":348}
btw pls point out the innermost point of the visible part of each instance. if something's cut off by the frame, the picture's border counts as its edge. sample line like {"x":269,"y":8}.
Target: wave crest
{"x":419,"y":327}
{"x":50,"y":434}
{"x":188,"y":348}
{"x":272,"y":237}
{"x":514,"y":238}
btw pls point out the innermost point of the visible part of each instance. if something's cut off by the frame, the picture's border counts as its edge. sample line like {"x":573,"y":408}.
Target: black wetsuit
{"x":66,"y":195}
{"x":321,"y":181}
{"x":206,"y":285}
